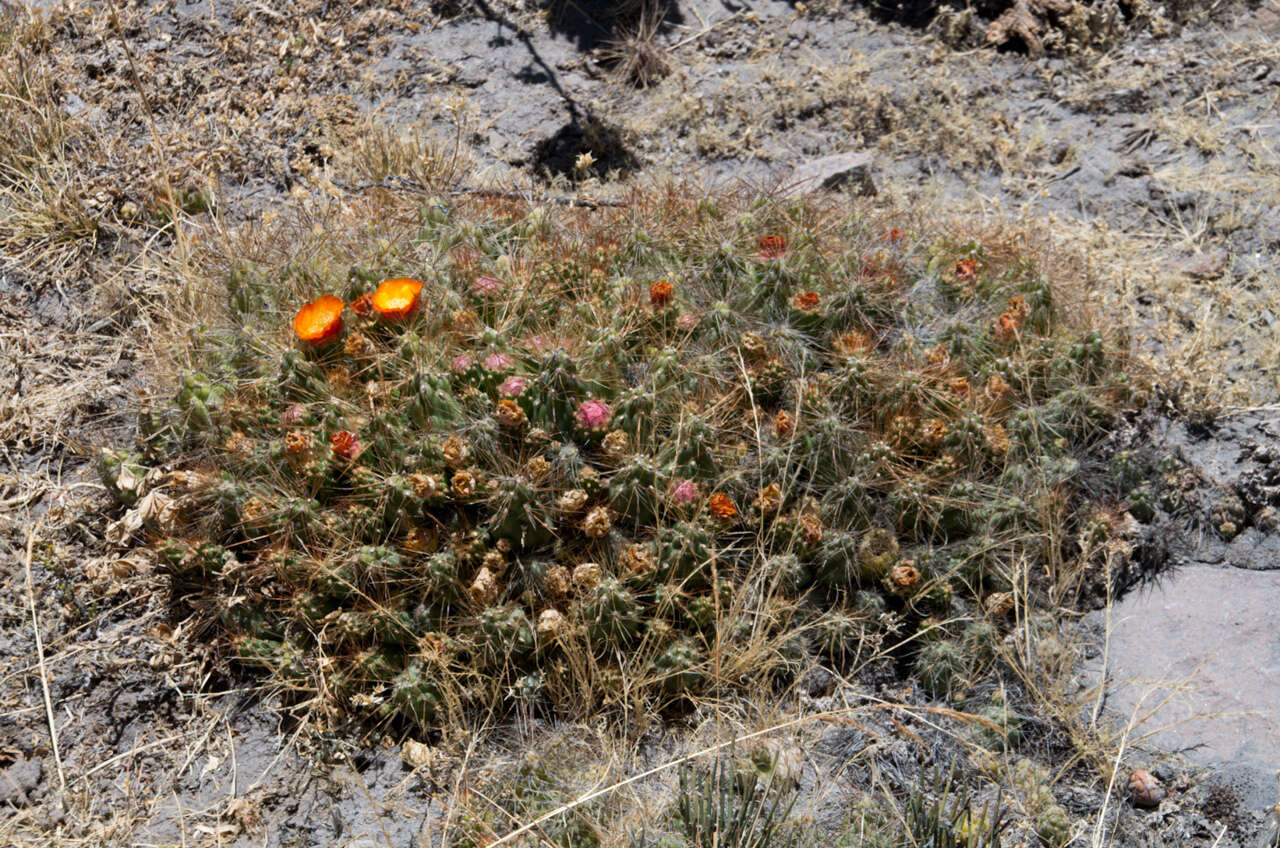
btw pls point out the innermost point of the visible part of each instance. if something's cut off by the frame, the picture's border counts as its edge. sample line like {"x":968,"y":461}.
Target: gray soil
{"x":1156,"y":150}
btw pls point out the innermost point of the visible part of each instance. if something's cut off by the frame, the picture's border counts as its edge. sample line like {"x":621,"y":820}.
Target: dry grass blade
{"x":44,"y":672}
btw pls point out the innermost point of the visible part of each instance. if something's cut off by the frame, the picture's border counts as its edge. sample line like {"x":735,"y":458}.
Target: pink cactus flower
{"x":486,"y":287}
{"x":499,"y":361}
{"x":294,"y":415}
{"x":594,"y":415}
{"x":513,"y":386}
{"x":462,"y":362}
{"x":685,"y":492}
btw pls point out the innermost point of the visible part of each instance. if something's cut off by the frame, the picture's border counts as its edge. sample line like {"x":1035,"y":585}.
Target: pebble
{"x":1145,"y":790}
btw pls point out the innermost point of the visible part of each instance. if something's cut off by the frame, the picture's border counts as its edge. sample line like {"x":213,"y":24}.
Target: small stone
{"x":831,"y":173}
{"x":1145,"y":790}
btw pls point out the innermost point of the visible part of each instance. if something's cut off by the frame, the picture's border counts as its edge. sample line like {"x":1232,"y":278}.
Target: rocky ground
{"x":1149,"y":141}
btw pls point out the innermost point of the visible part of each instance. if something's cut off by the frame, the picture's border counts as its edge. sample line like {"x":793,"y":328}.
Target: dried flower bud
{"x":597,"y":524}
{"x":252,"y":510}
{"x":853,"y":343}
{"x":753,"y":346}
{"x":586,"y":577}
{"x":997,"y":439}
{"x":572,"y":501}
{"x":551,"y":624}
{"x":339,"y":379}
{"x":464,"y":320}
{"x":496,"y":562}
{"x":558,"y":581}
{"x":637,"y":559}
{"x":484,"y":589}
{"x":959,"y":387}
{"x":425,"y":486}
{"x":933,"y":431}
{"x":771,"y":247}
{"x":297,"y":444}
{"x":810,"y":528}
{"x":356,"y":344}
{"x":996,"y":389}
{"x":616,"y":444}
{"x":783,"y":424}
{"x":463,"y":484}
{"x":998,"y":604}
{"x":510,"y":415}
{"x":937,"y":356}
{"x":769,"y":499}
{"x":537,"y":468}
{"x":239,"y":445}
{"x":455,"y":451}
{"x":904,"y":577}
{"x":421,"y":541}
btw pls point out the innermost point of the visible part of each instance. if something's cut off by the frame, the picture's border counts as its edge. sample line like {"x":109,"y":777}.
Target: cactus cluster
{"x":566,"y":468}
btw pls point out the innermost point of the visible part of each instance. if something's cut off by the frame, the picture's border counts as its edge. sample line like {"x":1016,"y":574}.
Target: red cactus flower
{"x":660,"y":293}
{"x":345,"y":444}
{"x":294,"y":415}
{"x":513,"y":386}
{"x":320,"y":321}
{"x":594,"y":415}
{"x":721,"y":506}
{"x":499,"y":361}
{"x":772,"y":246}
{"x":805,"y":301}
{"x":967,"y":269}
{"x":684,"y":492}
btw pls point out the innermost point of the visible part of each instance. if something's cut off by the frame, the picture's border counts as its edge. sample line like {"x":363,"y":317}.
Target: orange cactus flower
{"x":721,"y":506}
{"x":772,"y":247}
{"x":363,"y":305}
{"x":396,"y":298}
{"x":967,"y":269}
{"x":320,"y":321}
{"x":660,"y":293}
{"x":894,"y":234}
